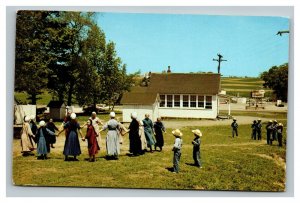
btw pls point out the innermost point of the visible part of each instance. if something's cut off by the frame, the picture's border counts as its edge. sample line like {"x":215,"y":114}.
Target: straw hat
{"x":73,"y":116}
{"x":275,"y":121}
{"x":270,"y":121}
{"x":177,"y":133}
{"x":112,"y":114}
{"x":32,"y":117}
{"x":197,"y":132}
{"x":234,"y":119}
{"x":280,"y":124}
{"x":259,"y":119}
{"x":134,"y":115}
{"x":42,"y":123}
{"x":27,"y":119}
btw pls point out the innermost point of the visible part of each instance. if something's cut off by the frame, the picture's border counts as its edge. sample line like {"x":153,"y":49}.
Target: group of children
{"x":274,"y":131}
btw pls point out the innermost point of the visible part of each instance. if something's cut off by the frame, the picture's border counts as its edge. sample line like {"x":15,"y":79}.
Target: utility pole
{"x":219,"y":61}
{"x":282,"y":32}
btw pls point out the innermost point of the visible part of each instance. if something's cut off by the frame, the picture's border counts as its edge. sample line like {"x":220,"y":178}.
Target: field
{"x":243,"y":86}
{"x":228,"y":164}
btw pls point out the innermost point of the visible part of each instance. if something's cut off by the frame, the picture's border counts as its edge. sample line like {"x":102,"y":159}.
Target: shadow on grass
{"x":170,"y":169}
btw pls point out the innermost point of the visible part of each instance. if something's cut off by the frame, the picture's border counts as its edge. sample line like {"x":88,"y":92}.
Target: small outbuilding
{"x":57,"y":110}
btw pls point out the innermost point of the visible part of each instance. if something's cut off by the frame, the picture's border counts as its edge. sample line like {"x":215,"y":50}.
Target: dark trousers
{"x":259,"y":135}
{"x":234,"y":132}
{"x":254,"y":135}
{"x":279,"y":136}
{"x":176,"y":159}
{"x":269,"y":138}
{"x":196,"y":157}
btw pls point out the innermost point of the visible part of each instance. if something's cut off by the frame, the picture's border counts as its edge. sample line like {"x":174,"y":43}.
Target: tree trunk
{"x":33,"y":99}
{"x":70,"y":93}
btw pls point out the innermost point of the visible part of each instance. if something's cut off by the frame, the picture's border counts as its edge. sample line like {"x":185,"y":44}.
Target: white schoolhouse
{"x":174,"y":95}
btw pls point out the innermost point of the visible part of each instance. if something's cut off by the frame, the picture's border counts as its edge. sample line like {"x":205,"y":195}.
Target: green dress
{"x":148,"y":128}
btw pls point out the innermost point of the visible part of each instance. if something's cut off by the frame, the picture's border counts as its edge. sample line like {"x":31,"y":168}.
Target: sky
{"x":188,"y":43}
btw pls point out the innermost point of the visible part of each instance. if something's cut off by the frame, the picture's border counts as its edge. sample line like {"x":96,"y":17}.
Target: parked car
{"x":89,"y":109}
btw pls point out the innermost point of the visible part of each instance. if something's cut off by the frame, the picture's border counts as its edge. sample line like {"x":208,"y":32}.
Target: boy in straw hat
{"x":196,"y":148}
{"x":177,"y":149}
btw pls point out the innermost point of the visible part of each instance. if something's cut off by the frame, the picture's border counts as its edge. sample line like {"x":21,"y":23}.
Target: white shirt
{"x":178,"y":143}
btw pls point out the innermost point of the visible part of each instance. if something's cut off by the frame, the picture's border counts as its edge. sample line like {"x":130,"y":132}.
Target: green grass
{"x":228,"y":164}
{"x":42,"y":99}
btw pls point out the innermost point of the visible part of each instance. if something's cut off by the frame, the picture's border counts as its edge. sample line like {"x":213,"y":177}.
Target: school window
{"x":200,"y":101}
{"x":176,"y":100}
{"x":193,"y":101}
{"x":185,"y":100}
{"x":162,"y":100}
{"x":208,"y":104}
{"x":169,"y":100}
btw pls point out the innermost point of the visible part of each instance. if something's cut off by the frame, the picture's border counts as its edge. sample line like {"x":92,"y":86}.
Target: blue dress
{"x":72,"y":146}
{"x":43,"y":140}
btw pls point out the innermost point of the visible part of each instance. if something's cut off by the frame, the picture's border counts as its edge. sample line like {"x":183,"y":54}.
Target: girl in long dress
{"x":159,"y":129}
{"x":43,"y":139}
{"x":142,"y":136}
{"x":135,"y":146}
{"x":112,"y":137}
{"x":26,"y":138}
{"x":72,"y":146}
{"x":148,"y":128}
{"x":91,"y":137}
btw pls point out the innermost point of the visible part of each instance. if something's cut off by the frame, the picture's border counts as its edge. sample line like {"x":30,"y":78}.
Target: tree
{"x":276,"y":78}
{"x":88,"y":87}
{"x":31,"y":52}
{"x":113,"y":77}
{"x":68,"y":49}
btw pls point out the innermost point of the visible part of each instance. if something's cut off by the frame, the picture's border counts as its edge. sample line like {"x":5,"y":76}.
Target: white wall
{"x":141,"y":110}
{"x":156,"y":111}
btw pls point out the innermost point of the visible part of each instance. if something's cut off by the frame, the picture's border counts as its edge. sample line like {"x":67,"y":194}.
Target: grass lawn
{"x":228,"y":164}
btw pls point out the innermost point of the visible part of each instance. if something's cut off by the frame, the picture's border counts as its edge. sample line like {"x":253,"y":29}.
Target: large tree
{"x":31,"y":60}
{"x":88,"y":88}
{"x":113,"y":76}
{"x":276,"y":78}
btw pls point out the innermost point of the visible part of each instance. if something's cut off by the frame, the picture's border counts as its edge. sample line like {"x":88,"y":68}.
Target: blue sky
{"x":188,"y":43}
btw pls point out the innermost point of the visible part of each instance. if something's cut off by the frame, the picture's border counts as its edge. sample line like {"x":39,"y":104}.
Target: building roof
{"x":173,"y":83}
{"x":56,"y":104}
{"x":139,"y":98}
{"x":182,"y":83}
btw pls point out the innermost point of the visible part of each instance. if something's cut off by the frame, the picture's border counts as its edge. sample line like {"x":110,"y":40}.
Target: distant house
{"x":57,"y":110}
{"x":174,"y":95}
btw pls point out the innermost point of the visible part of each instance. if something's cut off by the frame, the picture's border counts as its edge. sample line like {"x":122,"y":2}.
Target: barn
{"x":174,"y":95}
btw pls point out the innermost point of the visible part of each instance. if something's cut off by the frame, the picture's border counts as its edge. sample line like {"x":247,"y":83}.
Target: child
{"x":159,"y":129}
{"x":279,"y":134}
{"x":253,"y":126}
{"x":234,"y":126}
{"x":196,"y":149}
{"x":258,"y":129}
{"x":177,"y":150}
